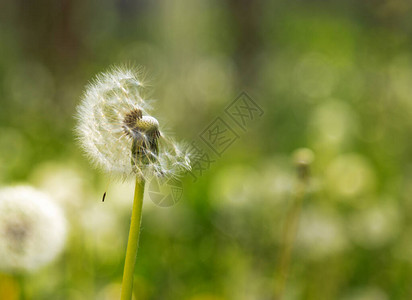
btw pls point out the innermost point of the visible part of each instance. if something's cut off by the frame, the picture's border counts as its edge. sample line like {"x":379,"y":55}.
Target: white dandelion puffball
{"x":117,"y":132}
{"x":32,"y":229}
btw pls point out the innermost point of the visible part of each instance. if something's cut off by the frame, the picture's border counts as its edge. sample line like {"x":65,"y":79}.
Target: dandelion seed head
{"x":303,"y":156}
{"x":147,"y":123}
{"x":32,"y":229}
{"x":118,"y":133}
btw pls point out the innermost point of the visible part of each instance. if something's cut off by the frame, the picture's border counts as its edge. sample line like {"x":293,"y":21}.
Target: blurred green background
{"x":333,"y":76}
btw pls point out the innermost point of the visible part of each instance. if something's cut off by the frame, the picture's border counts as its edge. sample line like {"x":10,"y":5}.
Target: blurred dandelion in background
{"x":376,"y":225}
{"x":321,"y":234}
{"x":32,"y":229}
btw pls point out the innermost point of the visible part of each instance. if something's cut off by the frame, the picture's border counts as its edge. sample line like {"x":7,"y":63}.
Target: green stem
{"x":22,"y":284}
{"x":289,"y":235}
{"x":133,"y":242}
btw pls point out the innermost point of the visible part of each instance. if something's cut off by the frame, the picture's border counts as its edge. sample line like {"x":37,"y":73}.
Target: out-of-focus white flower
{"x":376,"y":225}
{"x":32,"y":229}
{"x":320,"y":234}
{"x":117,"y":132}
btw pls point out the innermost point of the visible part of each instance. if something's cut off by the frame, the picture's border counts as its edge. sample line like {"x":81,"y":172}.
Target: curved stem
{"x":133,"y":242}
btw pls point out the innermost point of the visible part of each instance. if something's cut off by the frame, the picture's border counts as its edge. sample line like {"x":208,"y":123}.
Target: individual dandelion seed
{"x":118,"y":134}
{"x":32,"y":229}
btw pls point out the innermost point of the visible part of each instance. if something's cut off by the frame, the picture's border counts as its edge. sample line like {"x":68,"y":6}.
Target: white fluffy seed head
{"x":32,"y":229}
{"x":118,"y":134}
